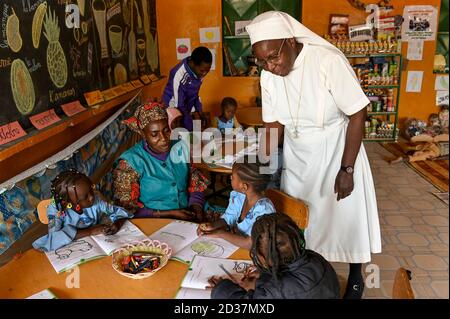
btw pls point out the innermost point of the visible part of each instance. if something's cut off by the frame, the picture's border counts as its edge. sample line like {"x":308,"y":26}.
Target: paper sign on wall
{"x":183,"y":47}
{"x":441,"y":83}
{"x":93,"y":97}
{"x":44,"y":119}
{"x":419,"y":23}
{"x":72,"y":108}
{"x":414,"y":83}
{"x":415,"y":50}
{"x":239,"y":27}
{"x":213,"y":64}
{"x":209,"y":35}
{"x":11,"y":132}
{"x":441,"y":97}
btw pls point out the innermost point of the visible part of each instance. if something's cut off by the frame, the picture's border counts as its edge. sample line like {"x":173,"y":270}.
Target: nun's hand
{"x":343,"y":185}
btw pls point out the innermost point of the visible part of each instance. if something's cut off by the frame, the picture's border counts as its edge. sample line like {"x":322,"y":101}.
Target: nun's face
{"x":276,"y":56}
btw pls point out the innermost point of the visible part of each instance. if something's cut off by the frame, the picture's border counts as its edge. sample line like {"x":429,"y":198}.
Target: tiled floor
{"x":414,"y":230}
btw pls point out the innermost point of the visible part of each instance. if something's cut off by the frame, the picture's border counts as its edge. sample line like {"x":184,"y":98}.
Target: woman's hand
{"x":182,"y":214}
{"x":198,"y":211}
{"x":343,"y":185}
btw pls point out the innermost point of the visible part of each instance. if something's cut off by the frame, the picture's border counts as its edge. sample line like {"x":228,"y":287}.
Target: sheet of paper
{"x":44,"y":294}
{"x":441,"y":83}
{"x":188,"y":293}
{"x":441,"y":97}
{"x":202,"y":268}
{"x":414,"y":82}
{"x":209,"y":35}
{"x":213,"y":53}
{"x":127,"y":234}
{"x":183,"y":47}
{"x":11,"y":132}
{"x":415,"y":50}
{"x":178,"y":234}
{"x":75,"y":253}
{"x":208,"y":247}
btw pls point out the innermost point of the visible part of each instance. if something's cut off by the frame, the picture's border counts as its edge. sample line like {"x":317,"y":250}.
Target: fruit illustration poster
{"x":183,"y":47}
{"x":209,"y":35}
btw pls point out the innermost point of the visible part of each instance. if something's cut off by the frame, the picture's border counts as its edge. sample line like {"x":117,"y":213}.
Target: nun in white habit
{"x":311,"y":94}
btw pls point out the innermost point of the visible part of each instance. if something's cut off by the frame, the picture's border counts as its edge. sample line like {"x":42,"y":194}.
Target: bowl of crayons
{"x":142,"y":259}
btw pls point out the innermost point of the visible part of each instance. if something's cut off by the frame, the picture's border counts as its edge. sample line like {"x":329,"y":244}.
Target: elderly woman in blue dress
{"x":154,"y":179}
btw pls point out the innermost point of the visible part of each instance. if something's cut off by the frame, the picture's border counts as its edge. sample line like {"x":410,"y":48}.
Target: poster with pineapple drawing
{"x":44,"y":61}
{"x":126,"y":39}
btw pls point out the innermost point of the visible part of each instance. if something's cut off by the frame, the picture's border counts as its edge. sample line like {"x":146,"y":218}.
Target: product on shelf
{"x":379,"y":71}
{"x":376,"y":129}
{"x":388,"y":45}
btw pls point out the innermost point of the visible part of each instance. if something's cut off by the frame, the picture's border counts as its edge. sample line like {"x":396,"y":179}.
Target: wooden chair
{"x":293,"y":207}
{"x":249,"y":116}
{"x":42,"y":210}
{"x":402,"y":286}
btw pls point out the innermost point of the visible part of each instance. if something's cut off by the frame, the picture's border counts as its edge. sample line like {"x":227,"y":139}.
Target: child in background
{"x":227,"y":119}
{"x":284,"y":268}
{"x":184,"y":84}
{"x":77,"y":211}
{"x":247,"y":202}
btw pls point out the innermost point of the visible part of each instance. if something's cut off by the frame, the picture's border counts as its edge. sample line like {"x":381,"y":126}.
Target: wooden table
{"x":33,"y":272}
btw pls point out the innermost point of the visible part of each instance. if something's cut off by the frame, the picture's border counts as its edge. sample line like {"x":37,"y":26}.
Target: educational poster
{"x":420,"y":23}
{"x":209,"y":35}
{"x":183,"y":47}
{"x":239,"y":27}
{"x":127,"y":44}
{"x":45,"y":60}
{"x":415,"y":50}
{"x":441,"y":97}
{"x":414,"y":82}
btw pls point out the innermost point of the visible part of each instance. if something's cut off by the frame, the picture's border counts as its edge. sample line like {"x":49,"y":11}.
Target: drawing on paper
{"x":240,"y":267}
{"x":56,"y":59}
{"x":22,"y":87}
{"x":208,"y":249}
{"x":13,"y":32}
{"x":173,"y":235}
{"x":38,"y":20}
{"x":66,"y":251}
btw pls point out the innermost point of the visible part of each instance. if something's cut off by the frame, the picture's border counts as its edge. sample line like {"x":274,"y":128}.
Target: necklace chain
{"x":294,"y":122}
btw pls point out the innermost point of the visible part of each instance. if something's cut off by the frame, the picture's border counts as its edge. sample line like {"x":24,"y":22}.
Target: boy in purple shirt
{"x":184,"y":83}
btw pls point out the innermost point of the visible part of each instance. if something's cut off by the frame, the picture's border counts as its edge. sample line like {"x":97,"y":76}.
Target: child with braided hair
{"x":76,"y":211}
{"x":247,"y":202}
{"x":283,"y":269}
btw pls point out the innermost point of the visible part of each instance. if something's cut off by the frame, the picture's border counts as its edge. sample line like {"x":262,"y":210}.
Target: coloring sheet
{"x":77,"y":252}
{"x":177,"y":234}
{"x":128,"y":233}
{"x":203,"y":268}
{"x":188,"y":293}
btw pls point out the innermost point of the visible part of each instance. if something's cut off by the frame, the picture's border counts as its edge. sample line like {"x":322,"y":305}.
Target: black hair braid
{"x":60,"y":187}
{"x":250,"y":173}
{"x":273,"y":228}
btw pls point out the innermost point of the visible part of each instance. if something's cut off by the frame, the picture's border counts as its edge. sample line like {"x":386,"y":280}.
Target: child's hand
{"x":111,"y":229}
{"x":214,"y":281}
{"x":205,"y":229}
{"x":248,"y":283}
{"x":251,"y":272}
{"x":96,"y":230}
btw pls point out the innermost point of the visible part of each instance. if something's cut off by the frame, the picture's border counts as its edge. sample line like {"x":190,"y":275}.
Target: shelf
{"x":378,"y":139}
{"x":374,"y":55}
{"x":381,"y":113}
{"x":236,"y":37}
{"x":382,"y":86}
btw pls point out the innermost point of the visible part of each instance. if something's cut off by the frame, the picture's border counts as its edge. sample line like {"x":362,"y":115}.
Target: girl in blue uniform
{"x":77,"y":211}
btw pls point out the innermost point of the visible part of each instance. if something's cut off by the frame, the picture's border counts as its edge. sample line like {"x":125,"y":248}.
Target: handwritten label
{"x":44,"y":119}
{"x":93,"y":97}
{"x":72,"y":108}
{"x":119,"y":90}
{"x":128,"y":87}
{"x":11,"y":132}
{"x":55,"y":96}
{"x":137,"y":83}
{"x":145,"y":79}
{"x":441,"y":97}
